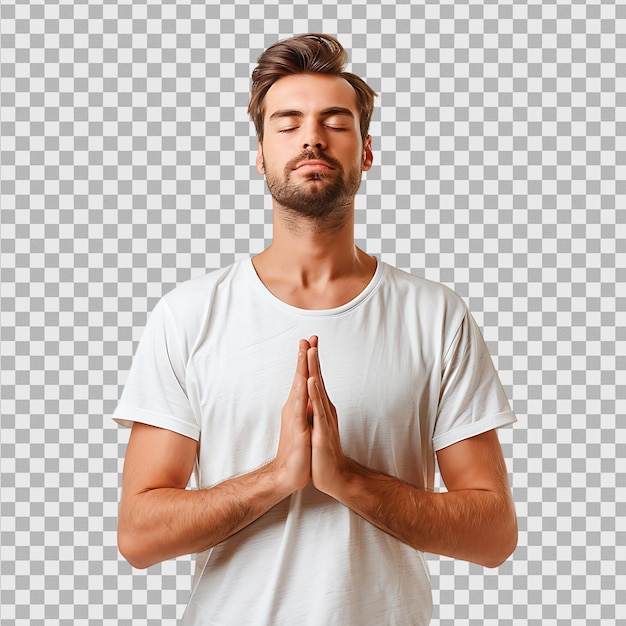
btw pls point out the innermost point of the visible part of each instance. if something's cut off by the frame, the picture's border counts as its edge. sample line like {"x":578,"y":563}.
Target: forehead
{"x":309,"y":93}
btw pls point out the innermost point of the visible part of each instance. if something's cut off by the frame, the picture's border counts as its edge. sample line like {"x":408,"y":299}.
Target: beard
{"x":321,"y":194}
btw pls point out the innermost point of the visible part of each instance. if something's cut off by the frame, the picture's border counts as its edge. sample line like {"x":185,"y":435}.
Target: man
{"x":315,"y":501}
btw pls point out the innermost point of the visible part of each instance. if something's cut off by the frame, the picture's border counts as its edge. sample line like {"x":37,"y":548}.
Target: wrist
{"x":283,"y":479}
{"x":343,"y":482}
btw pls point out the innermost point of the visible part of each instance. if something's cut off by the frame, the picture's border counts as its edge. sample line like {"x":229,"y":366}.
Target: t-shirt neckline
{"x":356,"y":301}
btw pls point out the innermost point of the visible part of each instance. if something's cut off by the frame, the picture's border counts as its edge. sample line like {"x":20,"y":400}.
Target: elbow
{"x":131,"y":549}
{"x":502,"y":549}
{"x":499,"y":558}
{"x":135,"y":541}
{"x":129,"y":552}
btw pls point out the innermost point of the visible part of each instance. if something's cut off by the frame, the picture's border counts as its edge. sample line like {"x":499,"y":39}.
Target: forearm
{"x":162,"y":523}
{"x":159,"y":519}
{"x":473,"y":525}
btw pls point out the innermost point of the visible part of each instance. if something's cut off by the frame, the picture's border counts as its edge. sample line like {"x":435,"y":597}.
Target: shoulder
{"x":184,"y":310}
{"x":428,"y":314}
{"x":426,"y":295}
{"x":198,"y":292}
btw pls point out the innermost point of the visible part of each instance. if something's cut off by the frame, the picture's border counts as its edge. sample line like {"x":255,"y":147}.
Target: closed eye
{"x":292,"y":128}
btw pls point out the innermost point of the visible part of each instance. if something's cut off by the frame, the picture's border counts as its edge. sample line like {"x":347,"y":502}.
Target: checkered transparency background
{"x":126,"y":167}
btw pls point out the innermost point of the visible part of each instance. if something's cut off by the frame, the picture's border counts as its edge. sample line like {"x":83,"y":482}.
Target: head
{"x":306,"y":54}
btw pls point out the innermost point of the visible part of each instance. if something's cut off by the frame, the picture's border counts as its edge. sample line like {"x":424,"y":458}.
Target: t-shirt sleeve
{"x":155,"y":392}
{"x":472,"y":400}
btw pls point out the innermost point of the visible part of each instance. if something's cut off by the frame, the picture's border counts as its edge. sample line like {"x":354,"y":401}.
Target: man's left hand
{"x":329,"y":465}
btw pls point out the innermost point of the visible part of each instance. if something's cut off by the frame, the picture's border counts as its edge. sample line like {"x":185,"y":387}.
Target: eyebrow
{"x":325,"y":113}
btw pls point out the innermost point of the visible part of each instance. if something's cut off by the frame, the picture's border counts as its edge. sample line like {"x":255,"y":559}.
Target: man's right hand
{"x":293,"y":458}
{"x":160,"y":519}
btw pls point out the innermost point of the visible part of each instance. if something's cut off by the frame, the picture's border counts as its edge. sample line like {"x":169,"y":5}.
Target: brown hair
{"x":306,"y":54}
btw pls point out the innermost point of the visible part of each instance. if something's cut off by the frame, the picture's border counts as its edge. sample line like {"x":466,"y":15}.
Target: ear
{"x":259,"y":159}
{"x":368,"y":155}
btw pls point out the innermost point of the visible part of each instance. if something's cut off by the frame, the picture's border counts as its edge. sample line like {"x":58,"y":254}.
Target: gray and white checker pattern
{"x":126,"y":167}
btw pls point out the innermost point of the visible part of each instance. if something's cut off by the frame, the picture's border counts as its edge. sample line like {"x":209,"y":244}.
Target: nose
{"x":313,"y":136}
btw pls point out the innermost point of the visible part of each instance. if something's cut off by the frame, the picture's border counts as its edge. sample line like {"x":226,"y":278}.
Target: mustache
{"x":312,"y":155}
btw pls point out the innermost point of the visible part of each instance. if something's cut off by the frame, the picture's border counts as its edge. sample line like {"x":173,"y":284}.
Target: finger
{"x":313,"y":362}
{"x":317,"y":401}
{"x":302,"y":365}
{"x":315,"y":383}
{"x":302,"y":370}
{"x":313,"y":340}
{"x":315,"y":371}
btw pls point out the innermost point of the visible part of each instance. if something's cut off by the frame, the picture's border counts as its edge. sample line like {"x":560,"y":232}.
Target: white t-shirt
{"x":408,"y":371}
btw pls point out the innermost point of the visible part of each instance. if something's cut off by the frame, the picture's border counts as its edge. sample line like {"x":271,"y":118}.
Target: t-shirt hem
{"x":475,"y":428}
{"x":161,"y":421}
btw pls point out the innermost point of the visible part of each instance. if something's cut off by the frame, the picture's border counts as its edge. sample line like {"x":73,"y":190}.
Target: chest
{"x":238,"y":380}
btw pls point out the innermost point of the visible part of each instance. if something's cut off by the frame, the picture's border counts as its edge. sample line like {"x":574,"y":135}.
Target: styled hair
{"x":306,"y":54}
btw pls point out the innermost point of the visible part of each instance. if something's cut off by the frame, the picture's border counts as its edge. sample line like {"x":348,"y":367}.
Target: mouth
{"x":315,"y":165}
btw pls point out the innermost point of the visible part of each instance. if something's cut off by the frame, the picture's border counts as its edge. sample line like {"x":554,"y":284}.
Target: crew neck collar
{"x":360,"y":298}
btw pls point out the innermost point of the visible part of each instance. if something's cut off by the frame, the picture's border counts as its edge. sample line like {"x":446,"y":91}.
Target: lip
{"x":313,"y":164}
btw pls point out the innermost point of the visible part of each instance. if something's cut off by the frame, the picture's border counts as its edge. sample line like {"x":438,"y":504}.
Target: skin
{"x":313,"y":263}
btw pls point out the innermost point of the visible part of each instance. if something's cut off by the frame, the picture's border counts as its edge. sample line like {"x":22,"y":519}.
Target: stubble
{"x":324,"y":198}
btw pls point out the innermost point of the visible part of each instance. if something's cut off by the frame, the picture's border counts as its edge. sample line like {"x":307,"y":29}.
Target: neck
{"x":311,"y":251}
{"x":314,"y":267}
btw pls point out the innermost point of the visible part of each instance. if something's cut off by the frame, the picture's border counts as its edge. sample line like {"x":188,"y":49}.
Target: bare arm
{"x":474,"y":520}
{"x":160,"y":519}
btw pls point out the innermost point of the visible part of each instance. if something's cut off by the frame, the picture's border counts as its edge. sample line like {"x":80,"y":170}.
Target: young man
{"x":316,"y":498}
